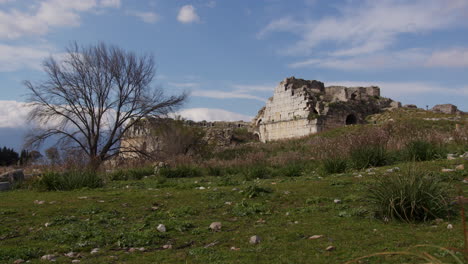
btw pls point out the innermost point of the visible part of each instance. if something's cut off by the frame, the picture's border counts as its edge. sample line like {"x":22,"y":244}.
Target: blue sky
{"x":231,"y":54}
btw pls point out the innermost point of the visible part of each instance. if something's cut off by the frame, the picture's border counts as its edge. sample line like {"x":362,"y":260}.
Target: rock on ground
{"x":255,"y":239}
{"x":216,"y":226}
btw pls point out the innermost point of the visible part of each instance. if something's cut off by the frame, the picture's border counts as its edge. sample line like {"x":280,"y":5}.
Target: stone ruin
{"x":141,"y":137}
{"x":446,"y":109}
{"x":301,"y":107}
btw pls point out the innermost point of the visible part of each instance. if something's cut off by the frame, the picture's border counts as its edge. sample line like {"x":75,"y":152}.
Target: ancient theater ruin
{"x":302,"y":107}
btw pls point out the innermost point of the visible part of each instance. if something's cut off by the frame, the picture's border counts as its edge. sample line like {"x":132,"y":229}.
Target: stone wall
{"x":300,"y":107}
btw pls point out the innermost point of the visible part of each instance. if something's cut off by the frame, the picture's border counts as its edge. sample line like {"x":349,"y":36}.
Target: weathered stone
{"x":449,"y":226}
{"x":446,"y":109}
{"x":95,"y":251}
{"x":48,"y":257}
{"x":216,"y":226}
{"x":300,"y":108}
{"x":447,"y":170}
{"x":255,"y":239}
{"x":451,"y":156}
{"x":460,"y":167}
{"x":12,"y":176}
{"x":410,"y":106}
{"x":337,"y":201}
{"x":76,"y":261}
{"x":330,"y":248}
{"x":19,"y":261}
{"x":315,"y":237}
{"x":161,"y":228}
{"x":4,"y":186}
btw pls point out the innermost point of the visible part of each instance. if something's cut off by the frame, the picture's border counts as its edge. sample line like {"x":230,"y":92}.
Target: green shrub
{"x":54,"y":181}
{"x":334,"y":165}
{"x":413,"y":195}
{"x":257,"y":172}
{"x":254,"y":191}
{"x":181,"y":172}
{"x":291,"y":170}
{"x":131,"y":174}
{"x":420,"y":150}
{"x":214,"y":171}
{"x":366,"y":156}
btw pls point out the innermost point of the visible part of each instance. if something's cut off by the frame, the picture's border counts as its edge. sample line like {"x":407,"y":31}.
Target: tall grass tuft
{"x":334,"y":165}
{"x":259,"y":171}
{"x":131,"y":174}
{"x":373,"y":155}
{"x":66,"y":181}
{"x":421,"y":150}
{"x":185,"y":171}
{"x":412,"y":196}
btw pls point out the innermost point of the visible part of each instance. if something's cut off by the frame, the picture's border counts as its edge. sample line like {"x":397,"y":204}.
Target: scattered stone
{"x":465,"y":156}
{"x":337,"y":201}
{"x":83,"y":197}
{"x":131,"y":250}
{"x":451,"y":156}
{"x":47,"y":224}
{"x":394,"y":169}
{"x":296,"y":222}
{"x":200,"y":188}
{"x":95,"y":251}
{"x":5,"y":186}
{"x":439,"y":221}
{"x":76,"y":261}
{"x":18,"y":261}
{"x":12,"y":176}
{"x":287,"y":192}
{"x":447,"y":170}
{"x":161,"y":228}
{"x":261,"y":221}
{"x":70,"y":254}
{"x":142,"y":249}
{"x":211,"y":244}
{"x":159,"y":166}
{"x":101,"y":201}
{"x":255,"y":240}
{"x":287,"y":214}
{"x":39,"y":202}
{"x":358,"y":176}
{"x":449,"y":226}
{"x":330,"y":248}
{"x":167,"y":246}
{"x":228,"y":203}
{"x":216,"y":226}
{"x":235,"y":249}
{"x":273,"y":183}
{"x":315,"y":237}
{"x":49,"y":257}
{"x":460,"y":167}
{"x":465,"y":180}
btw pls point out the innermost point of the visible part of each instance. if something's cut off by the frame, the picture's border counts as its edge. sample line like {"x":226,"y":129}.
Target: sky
{"x":229,"y":55}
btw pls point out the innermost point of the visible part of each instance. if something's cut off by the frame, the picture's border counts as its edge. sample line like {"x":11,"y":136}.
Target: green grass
{"x":55,"y":181}
{"x":283,"y":211}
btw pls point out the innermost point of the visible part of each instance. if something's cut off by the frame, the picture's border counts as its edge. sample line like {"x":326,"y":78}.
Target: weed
{"x":181,"y":172}
{"x":420,"y":150}
{"x":334,"y":165}
{"x":255,"y":190}
{"x":131,"y":174}
{"x":365,"y":156}
{"x":54,"y":181}
{"x":257,"y":172}
{"x":413,"y":195}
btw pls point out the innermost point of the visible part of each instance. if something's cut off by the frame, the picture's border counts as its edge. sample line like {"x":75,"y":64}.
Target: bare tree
{"x":93,"y":95}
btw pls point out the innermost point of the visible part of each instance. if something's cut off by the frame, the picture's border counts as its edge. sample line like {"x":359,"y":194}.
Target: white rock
{"x":447,"y":170}
{"x":449,"y":226}
{"x":330,"y":248}
{"x":167,"y":246}
{"x":315,"y":237}
{"x":47,"y":224}
{"x":49,"y":257}
{"x":337,"y":201}
{"x":161,"y":228}
{"x":39,"y":202}
{"x":450,"y":156}
{"x":76,"y":261}
{"x":216,"y":226}
{"x":255,"y":239}
{"x":95,"y":251}
{"x":460,"y":167}
{"x":70,"y":254}
{"x":228,"y":203}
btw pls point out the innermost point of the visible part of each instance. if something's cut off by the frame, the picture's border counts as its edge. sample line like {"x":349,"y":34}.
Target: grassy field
{"x":122,"y":218}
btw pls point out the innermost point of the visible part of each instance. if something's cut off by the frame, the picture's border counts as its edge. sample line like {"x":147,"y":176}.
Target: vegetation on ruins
{"x":92,"y":96}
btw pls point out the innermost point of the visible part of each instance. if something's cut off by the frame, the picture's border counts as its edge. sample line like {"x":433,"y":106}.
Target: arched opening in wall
{"x":259,"y":122}
{"x":353,"y":96}
{"x":257,"y":137}
{"x":351,"y":120}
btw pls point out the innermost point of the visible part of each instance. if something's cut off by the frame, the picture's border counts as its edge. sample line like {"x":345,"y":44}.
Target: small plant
{"x":365,"y":156}
{"x":255,"y":190}
{"x":66,"y":181}
{"x":257,"y":172}
{"x":291,"y":170}
{"x":181,"y":172}
{"x":420,"y":150}
{"x":413,"y":195}
{"x":131,"y":174}
{"x":334,"y":165}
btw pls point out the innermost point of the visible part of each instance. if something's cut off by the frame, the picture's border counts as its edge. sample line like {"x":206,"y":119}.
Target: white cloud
{"x":147,"y":17}
{"x":226,"y":95}
{"x":253,"y":88}
{"x":212,"y":114}
{"x":211,"y":4}
{"x":13,"y":114}
{"x":15,"y":57}
{"x":450,"y":57}
{"x":187,"y":14}
{"x":184,"y":85}
{"x":39,"y":19}
{"x":370,"y":26}
{"x":110,"y":3}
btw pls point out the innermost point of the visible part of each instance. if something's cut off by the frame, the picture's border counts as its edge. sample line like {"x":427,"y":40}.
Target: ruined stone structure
{"x":142,"y":137}
{"x":301,"y":107}
{"x":446,"y":109}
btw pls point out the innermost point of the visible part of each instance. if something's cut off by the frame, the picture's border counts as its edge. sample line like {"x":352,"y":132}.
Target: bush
{"x":66,"y":181}
{"x":291,"y":170}
{"x":131,"y":174}
{"x":257,"y":172}
{"x":334,"y":165}
{"x":410,"y":196}
{"x":255,"y":190}
{"x":214,"y":171}
{"x":420,"y":150}
{"x":366,"y":156}
{"x":181,"y":172}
